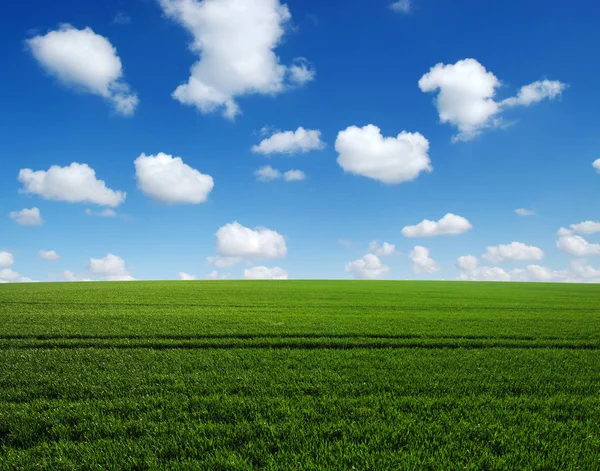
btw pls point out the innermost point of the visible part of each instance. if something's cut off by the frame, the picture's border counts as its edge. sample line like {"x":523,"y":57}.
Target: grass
{"x":299,"y":375}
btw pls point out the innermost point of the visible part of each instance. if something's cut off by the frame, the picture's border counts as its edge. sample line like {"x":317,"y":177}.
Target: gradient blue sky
{"x":368,"y":59}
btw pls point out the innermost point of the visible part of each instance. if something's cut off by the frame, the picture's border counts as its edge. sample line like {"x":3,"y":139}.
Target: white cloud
{"x":87,"y":61}
{"x":579,"y":271}
{"x":76,"y":183}
{"x":235,"y":42}
{"x":516,"y":251}
{"x":169,"y":180}
{"x":6,"y":259}
{"x":290,"y":142}
{"x":450,"y":224}
{"x":525,"y":212}
{"x":563,"y":231}
{"x":536,"y":92}
{"x":216,"y":275}
{"x":68,"y":275}
{"x":301,"y":71}
{"x":237,"y":241}
{"x":401,"y":6}
{"x":577,"y":246}
{"x":585,"y":227}
{"x":384,"y":250}
{"x":185,"y":276}
{"x":364,"y":151}
{"x":466,"y":96}
{"x":422,"y":262}
{"x":596,"y":165}
{"x":484,"y":274}
{"x":112,"y":267}
{"x":294,"y":176}
{"x":368,"y":267}
{"x":467,"y":262}
{"x":538,"y":273}
{"x":264,"y":273}
{"x":470,"y":271}
{"x":8,"y":275}
{"x":27,"y":217}
{"x":50,"y":255}
{"x":267,"y":174}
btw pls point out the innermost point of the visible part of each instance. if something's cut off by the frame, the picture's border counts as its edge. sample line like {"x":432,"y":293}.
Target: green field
{"x":300,"y":375}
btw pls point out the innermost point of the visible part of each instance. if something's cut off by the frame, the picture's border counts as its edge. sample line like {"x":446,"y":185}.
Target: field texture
{"x":299,"y":376}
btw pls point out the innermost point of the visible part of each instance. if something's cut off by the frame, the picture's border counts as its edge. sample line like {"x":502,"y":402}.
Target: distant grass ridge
{"x":301,"y":375}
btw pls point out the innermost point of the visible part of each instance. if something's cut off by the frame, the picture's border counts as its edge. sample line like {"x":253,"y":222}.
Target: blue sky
{"x":95,"y":83}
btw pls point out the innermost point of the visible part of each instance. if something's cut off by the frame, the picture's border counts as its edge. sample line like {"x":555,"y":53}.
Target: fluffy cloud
{"x":86,"y":61}
{"x":422,"y":262}
{"x":525,"y":212}
{"x":467,"y":262}
{"x":6,"y":259}
{"x":384,"y":250}
{"x":579,"y":271}
{"x":364,"y":151}
{"x":470,"y":271}
{"x":236,"y":241}
{"x":585,"y":272}
{"x":596,"y":165}
{"x":484,"y":274}
{"x":368,"y":267}
{"x":27,"y":217}
{"x":68,"y":275}
{"x":514,"y":251}
{"x":586,"y":227}
{"x":264,"y":273}
{"x":290,"y":142}
{"x":301,"y":71}
{"x":577,"y":246}
{"x":268,"y":173}
{"x":185,"y":276}
{"x":235,"y":42}
{"x":466,"y":96}
{"x":401,"y":6}
{"x":536,"y":92}
{"x":48,"y":255}
{"x":294,"y":176}
{"x":111,"y":267}
{"x":168,"y":180}
{"x":7,"y":275}
{"x":215,"y":275}
{"x":538,"y":273}
{"x":450,"y":224}
{"x":76,"y":183}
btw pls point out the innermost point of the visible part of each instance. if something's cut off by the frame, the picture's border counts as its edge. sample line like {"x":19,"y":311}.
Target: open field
{"x":299,"y":375}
